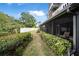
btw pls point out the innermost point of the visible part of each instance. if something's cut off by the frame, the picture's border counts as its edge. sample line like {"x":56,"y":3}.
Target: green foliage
{"x":4,"y":34}
{"x":9,"y":23}
{"x":18,"y":23}
{"x":58,"y":45}
{"x":28,"y":20}
{"x":9,"y":44}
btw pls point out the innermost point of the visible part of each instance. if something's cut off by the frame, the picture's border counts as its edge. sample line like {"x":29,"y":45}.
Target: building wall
{"x":51,"y":27}
{"x":65,"y":18}
{"x":52,"y":8}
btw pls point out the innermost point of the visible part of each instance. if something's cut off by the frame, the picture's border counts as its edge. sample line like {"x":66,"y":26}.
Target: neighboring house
{"x":64,"y":19}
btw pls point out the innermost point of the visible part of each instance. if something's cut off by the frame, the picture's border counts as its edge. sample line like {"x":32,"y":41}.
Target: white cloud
{"x":19,"y":4}
{"x":9,"y":3}
{"x":37,"y":13}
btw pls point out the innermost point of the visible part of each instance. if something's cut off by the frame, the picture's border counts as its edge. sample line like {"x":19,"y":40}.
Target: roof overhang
{"x":64,"y":8}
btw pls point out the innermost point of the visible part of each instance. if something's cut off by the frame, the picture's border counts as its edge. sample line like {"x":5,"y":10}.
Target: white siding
{"x":22,"y":30}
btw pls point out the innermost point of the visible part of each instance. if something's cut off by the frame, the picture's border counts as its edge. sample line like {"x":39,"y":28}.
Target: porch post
{"x":77,"y":34}
{"x":52,"y":27}
{"x":74,"y":31}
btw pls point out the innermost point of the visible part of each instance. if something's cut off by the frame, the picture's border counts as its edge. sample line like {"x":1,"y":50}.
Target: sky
{"x":38,"y":10}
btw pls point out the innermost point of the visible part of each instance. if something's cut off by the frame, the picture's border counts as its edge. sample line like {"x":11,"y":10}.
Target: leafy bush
{"x":58,"y":45}
{"x":9,"y":23}
{"x":5,"y":34}
{"x":9,"y":44}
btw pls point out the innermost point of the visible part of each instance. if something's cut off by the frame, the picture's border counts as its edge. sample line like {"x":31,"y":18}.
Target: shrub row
{"x":4,"y":34}
{"x":58,"y":45}
{"x":9,"y":44}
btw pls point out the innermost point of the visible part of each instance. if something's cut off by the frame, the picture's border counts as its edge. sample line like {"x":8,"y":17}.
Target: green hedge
{"x":9,"y":44}
{"x":4,"y":34}
{"x":58,"y":45}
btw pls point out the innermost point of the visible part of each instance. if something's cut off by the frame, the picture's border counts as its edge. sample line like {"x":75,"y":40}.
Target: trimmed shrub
{"x":58,"y":45}
{"x":9,"y":44}
{"x":4,"y":34}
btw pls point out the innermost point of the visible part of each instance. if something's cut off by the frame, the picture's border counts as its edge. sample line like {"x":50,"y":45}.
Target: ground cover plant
{"x":58,"y":45}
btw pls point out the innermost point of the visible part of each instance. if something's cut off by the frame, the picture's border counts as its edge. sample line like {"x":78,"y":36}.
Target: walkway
{"x":37,"y":47}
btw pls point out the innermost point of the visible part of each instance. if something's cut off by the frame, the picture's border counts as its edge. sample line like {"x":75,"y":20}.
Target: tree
{"x":28,"y":20}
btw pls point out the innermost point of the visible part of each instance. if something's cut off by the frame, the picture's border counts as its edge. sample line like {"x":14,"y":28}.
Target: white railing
{"x":61,"y":9}
{"x":50,"y":6}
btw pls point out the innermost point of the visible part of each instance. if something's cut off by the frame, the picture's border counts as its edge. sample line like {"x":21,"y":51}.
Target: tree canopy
{"x":9,"y":23}
{"x":28,"y":20}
